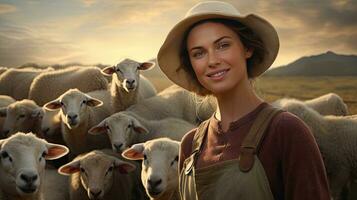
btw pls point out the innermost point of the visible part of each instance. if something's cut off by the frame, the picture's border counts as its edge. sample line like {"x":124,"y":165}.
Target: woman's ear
{"x":248,"y":52}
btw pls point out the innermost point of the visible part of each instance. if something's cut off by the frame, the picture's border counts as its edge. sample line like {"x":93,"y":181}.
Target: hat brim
{"x":169,"y":54}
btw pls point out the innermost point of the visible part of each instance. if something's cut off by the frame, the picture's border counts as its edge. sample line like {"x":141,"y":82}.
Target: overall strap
{"x":196,"y":145}
{"x":252,"y":141}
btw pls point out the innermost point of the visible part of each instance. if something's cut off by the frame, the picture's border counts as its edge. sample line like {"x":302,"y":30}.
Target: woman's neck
{"x":233,"y":105}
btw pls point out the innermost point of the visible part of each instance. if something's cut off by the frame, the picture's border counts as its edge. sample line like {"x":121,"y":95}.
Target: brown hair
{"x":248,"y":38}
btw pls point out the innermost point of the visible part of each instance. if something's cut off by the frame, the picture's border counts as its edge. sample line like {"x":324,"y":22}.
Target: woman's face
{"x":217,"y":56}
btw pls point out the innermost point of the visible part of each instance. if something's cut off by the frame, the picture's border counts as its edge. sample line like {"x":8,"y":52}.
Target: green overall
{"x":242,"y":178}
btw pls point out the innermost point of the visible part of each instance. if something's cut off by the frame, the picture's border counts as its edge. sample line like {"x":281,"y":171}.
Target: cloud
{"x":23,"y":44}
{"x":7,"y":8}
{"x":88,"y":3}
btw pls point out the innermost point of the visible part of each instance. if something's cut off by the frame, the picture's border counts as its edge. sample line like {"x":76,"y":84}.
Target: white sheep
{"x":128,"y":86}
{"x":19,"y":117}
{"x":16,"y":82}
{"x":50,"y":124}
{"x":328,"y":104}
{"x":80,"y":111}
{"x":4,"y":102}
{"x":125,"y":129}
{"x":22,"y":165}
{"x":336,"y":137}
{"x":48,"y":86}
{"x":159,"y":167}
{"x":99,"y":175}
{"x":178,"y":103}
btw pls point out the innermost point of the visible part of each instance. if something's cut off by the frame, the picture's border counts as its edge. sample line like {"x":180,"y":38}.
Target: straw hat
{"x":169,"y":53}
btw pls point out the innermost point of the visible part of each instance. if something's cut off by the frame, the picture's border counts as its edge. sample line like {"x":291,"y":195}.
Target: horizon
{"x":97,"y":31}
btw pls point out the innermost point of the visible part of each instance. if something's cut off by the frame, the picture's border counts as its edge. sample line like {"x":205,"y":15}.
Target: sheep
{"x":19,"y":117}
{"x":4,"y":102}
{"x":328,"y":104}
{"x":176,"y":102}
{"x":16,"y":82}
{"x":79,"y":111}
{"x":50,"y":85}
{"x":336,"y":137}
{"x":22,"y":165}
{"x":50,"y":122}
{"x":128,"y":86}
{"x":125,"y":129}
{"x":99,"y":175}
{"x":159,"y":167}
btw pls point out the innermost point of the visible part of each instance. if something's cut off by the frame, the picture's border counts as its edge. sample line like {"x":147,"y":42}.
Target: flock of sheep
{"x":107,"y":134}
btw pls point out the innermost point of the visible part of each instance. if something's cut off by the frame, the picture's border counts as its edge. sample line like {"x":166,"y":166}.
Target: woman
{"x":247,"y":149}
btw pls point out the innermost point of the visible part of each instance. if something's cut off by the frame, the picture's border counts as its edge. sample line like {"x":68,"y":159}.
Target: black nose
{"x":95,"y":193}
{"x":118,"y":146}
{"x":154,"y":183}
{"x":72,"y":117}
{"x":29,"y":178}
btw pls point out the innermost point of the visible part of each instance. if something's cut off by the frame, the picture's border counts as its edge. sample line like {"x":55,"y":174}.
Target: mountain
{"x":326,"y":64}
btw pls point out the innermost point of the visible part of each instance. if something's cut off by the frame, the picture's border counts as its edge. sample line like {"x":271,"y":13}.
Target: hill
{"x":326,"y":64}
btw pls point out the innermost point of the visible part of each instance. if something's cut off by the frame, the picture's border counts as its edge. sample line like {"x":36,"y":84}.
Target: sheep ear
{"x":99,"y":129}
{"x":3,"y":111}
{"x":55,"y":151}
{"x":135,"y":152}
{"x":93,"y":102}
{"x":38,"y":112}
{"x":146,"y":65}
{"x":70,"y":168}
{"x":53,"y":105}
{"x":108,"y":71}
{"x":124,"y":167}
{"x":138,"y":127}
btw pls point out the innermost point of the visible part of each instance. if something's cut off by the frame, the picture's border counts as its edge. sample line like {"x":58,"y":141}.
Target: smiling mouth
{"x":218,"y":73}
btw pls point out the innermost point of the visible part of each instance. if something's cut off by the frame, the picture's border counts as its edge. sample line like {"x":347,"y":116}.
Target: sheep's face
{"x":50,"y":122}
{"x":159,"y":171}
{"x":74,"y":106}
{"x":97,"y":171}
{"x":22,"y":163}
{"x":123,"y":131}
{"x":126,"y":73}
{"x":159,"y":166}
{"x":19,"y":117}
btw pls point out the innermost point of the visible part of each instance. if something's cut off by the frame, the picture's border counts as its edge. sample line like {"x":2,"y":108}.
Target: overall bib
{"x":242,"y":178}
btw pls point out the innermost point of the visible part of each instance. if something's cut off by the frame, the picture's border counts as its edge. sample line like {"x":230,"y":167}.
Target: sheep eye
{"x":5,"y":155}
{"x":110,"y":169}
{"x":82,"y":170}
{"x":44,"y":154}
{"x":118,"y":70}
{"x":175,"y":160}
{"x":145,"y":158}
{"x":21,"y":116}
{"x":84,"y":101}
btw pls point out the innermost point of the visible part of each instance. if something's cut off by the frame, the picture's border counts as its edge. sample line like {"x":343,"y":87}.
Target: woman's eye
{"x":223,"y":45}
{"x":198,"y":54}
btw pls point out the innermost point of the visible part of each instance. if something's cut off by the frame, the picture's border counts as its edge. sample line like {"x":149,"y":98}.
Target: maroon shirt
{"x":288,"y":153}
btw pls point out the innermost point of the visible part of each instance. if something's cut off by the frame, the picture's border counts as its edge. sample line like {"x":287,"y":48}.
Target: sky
{"x":106,"y":31}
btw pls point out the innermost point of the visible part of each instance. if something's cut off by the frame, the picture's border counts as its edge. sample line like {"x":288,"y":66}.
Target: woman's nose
{"x":213,"y":59}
